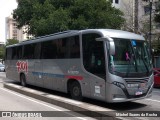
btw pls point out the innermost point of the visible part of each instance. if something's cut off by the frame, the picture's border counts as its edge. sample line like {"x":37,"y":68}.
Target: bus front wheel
{"x":23,"y":80}
{"x":75,"y":91}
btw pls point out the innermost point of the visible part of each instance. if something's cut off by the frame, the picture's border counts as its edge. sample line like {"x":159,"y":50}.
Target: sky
{"x":6,"y":8}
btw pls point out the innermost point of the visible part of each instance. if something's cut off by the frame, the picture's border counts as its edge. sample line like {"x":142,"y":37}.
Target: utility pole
{"x":136,"y":4}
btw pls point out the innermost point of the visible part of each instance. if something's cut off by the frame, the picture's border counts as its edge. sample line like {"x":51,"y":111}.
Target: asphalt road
{"x":12,"y":102}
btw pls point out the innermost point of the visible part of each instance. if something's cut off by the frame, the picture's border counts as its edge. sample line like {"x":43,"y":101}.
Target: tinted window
{"x":28,"y":52}
{"x":14,"y":53}
{"x":93,"y":55}
{"x":61,"y":48}
{"x":37,"y":51}
{"x":19,"y":52}
{"x":49,"y":50}
{"x":8,"y":53}
{"x":116,"y":1}
{"x":74,"y":47}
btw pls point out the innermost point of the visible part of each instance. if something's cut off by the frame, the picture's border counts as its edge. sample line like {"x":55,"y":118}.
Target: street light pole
{"x":150,"y":26}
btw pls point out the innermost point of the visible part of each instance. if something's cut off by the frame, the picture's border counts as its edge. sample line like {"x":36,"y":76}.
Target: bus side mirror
{"x":110,"y":44}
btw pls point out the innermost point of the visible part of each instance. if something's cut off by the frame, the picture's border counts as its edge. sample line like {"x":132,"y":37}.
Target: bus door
{"x":94,"y":63}
{"x":97,"y":68}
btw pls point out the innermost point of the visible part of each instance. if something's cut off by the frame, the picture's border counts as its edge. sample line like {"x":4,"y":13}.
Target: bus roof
{"x":103,"y":32}
{"x":115,"y":33}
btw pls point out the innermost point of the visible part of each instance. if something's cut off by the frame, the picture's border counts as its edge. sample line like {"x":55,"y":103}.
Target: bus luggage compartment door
{"x":38,"y":73}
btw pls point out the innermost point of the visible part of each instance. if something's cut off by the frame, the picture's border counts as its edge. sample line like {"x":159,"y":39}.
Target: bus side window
{"x":74,"y":47}
{"x":8,"y":53}
{"x":14,"y":54}
{"x":49,"y":50}
{"x":28,"y":51}
{"x":19,"y":52}
{"x":37,"y":51}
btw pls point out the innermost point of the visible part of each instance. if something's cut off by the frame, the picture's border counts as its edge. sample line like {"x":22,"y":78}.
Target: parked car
{"x":156,"y":77}
{"x":2,"y":67}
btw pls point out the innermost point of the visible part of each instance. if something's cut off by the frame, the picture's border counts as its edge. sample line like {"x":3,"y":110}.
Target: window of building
{"x":147,"y":9}
{"x":15,"y":31}
{"x":14,"y":34}
{"x":145,"y":0}
{"x":117,"y":1}
{"x":14,"y":24}
{"x":14,"y":37}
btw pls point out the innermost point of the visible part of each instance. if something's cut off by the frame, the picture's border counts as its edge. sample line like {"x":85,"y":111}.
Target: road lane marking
{"x":153,"y":100}
{"x":22,"y":96}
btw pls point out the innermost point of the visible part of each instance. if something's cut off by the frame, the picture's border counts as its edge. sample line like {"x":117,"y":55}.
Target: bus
{"x":104,"y":64}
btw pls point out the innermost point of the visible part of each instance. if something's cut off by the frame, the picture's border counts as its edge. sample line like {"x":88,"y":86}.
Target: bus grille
{"x":138,"y":80}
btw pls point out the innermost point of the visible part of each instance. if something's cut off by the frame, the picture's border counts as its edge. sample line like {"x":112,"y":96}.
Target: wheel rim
{"x":76,"y":91}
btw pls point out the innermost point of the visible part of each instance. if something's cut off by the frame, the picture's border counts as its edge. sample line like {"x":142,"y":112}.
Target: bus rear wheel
{"x":23,"y":80}
{"x":75,"y":91}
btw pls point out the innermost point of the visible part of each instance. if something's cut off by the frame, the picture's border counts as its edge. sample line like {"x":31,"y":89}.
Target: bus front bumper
{"x":118,"y":95}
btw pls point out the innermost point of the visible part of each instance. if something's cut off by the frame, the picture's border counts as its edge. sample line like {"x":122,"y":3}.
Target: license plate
{"x":139,"y":93}
{"x":143,"y":85}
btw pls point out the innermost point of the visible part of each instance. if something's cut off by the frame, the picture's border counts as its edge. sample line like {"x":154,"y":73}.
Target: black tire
{"x":75,"y":91}
{"x":23,"y":80}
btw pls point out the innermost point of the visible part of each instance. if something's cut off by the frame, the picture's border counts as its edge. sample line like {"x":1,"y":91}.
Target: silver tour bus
{"x":103,"y":64}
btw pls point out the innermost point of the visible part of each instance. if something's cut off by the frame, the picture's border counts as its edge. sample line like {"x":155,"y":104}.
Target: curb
{"x":87,"y":109}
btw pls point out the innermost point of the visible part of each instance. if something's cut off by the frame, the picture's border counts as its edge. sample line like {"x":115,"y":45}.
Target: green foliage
{"x":157,"y":18}
{"x":157,"y":14}
{"x":2,"y":52}
{"x":49,"y":16}
{"x":11,"y":42}
{"x":2,"y":47}
{"x":156,"y":46}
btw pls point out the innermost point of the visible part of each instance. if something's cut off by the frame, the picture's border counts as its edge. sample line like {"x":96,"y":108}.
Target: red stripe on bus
{"x":74,"y":77}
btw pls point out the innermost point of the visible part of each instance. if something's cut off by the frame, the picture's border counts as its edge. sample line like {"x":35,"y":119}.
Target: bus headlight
{"x":121,"y":85}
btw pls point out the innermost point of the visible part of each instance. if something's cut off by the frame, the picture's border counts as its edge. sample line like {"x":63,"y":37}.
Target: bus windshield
{"x":131,"y":58}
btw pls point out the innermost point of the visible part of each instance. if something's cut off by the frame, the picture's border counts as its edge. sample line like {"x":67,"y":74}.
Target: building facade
{"x":137,"y":15}
{"x":12,"y":32}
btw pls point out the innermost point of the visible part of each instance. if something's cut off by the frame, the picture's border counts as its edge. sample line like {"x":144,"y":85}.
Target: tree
{"x":11,"y":42}
{"x":157,"y":14}
{"x":2,"y":52}
{"x":49,"y":16}
{"x":2,"y":48}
